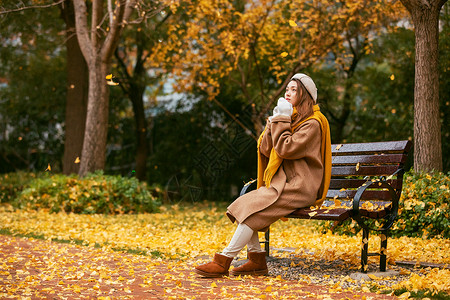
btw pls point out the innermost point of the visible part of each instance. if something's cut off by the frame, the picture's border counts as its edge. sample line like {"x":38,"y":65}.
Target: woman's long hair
{"x":305,"y":105}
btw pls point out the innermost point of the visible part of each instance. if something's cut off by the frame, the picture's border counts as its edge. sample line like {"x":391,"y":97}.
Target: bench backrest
{"x":352,"y":163}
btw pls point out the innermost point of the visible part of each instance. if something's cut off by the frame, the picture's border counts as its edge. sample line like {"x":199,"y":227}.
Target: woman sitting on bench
{"x":294,"y":171}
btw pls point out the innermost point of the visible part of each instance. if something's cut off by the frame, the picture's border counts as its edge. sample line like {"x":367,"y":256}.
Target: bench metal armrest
{"x":248,"y":185}
{"x":393,"y":212}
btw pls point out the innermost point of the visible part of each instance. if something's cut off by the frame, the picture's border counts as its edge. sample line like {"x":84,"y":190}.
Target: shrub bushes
{"x":12,"y":184}
{"x":95,"y":193}
{"x":424,"y":208}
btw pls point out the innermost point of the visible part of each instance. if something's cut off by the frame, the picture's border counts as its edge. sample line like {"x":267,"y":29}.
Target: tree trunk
{"x":134,"y":89}
{"x":93,"y":155}
{"x":427,"y":127}
{"x":136,"y":96}
{"x":97,"y":48}
{"x":77,"y":93}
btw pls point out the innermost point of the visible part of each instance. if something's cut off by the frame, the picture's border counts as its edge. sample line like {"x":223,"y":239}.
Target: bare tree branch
{"x":114,"y":32}
{"x":110,"y":12}
{"x":97,"y":15}
{"x":143,"y":15}
{"x":82,"y":29}
{"x":4,"y":11}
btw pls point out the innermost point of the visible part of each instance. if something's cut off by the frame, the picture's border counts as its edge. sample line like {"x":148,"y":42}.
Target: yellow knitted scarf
{"x":265,"y":174}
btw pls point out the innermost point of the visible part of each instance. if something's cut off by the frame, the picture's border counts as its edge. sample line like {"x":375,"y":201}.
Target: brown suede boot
{"x":217,"y":268}
{"x":256,"y":265}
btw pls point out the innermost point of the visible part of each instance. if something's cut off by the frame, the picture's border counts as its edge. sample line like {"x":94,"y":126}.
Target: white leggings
{"x":243,"y":235}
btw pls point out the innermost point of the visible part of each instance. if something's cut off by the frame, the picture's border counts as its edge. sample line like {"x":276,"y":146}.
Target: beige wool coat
{"x":294,"y":185}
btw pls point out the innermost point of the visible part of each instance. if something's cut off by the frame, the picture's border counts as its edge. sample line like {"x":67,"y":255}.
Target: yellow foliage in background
{"x":221,"y":36}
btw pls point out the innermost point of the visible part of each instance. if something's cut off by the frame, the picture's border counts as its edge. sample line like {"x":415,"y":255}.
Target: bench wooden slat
{"x":367,"y":195}
{"x":364,"y":170}
{"x":341,"y":213}
{"x":338,"y":183}
{"x":377,"y":207}
{"x":369,"y":159}
{"x":349,"y":203}
{"x":337,"y":214}
{"x":386,"y":147}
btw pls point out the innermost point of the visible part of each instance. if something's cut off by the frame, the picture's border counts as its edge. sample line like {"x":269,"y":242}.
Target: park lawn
{"x":188,"y":231}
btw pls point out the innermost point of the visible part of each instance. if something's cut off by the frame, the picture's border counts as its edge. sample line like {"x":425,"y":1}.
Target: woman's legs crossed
{"x":253,"y":245}
{"x":256,"y":265}
{"x":242,"y":236}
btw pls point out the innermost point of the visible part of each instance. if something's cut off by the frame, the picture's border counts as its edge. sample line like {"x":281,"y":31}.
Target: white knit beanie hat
{"x":308,"y":83}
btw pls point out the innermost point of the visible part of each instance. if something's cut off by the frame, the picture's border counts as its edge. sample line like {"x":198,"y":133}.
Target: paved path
{"x":36,"y":269}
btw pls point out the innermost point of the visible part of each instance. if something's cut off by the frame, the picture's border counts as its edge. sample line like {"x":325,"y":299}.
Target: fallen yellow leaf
{"x":373,"y":277}
{"x":404,"y":272}
{"x":312,"y":214}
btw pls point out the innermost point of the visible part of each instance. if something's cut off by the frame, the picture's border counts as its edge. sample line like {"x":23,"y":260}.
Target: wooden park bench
{"x":366,"y":183}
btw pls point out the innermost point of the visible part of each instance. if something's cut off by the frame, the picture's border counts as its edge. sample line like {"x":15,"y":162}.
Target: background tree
{"x":427,"y":127}
{"x":77,"y":93}
{"x":258,"y":46}
{"x":444,"y":84}
{"x":131,"y":56}
{"x":338,"y":72}
{"x":384,"y":87}
{"x":98,"y":43}
{"x":32,"y":88}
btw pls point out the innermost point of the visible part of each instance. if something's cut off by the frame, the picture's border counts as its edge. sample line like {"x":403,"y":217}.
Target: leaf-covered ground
{"x":181,"y":235}
{"x":36,"y":269}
